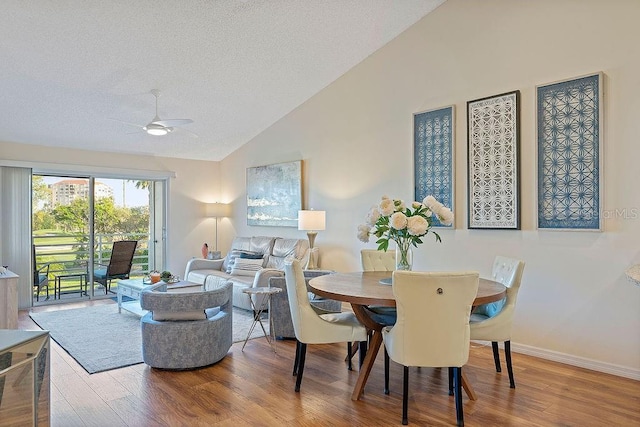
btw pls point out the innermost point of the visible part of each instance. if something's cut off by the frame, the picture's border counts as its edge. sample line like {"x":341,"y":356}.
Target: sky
{"x":133,"y":196}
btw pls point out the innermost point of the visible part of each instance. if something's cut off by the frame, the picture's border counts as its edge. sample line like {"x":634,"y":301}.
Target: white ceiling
{"x":73,"y":71}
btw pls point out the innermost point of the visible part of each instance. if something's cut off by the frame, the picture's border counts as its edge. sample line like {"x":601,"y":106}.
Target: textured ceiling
{"x":72,"y":72}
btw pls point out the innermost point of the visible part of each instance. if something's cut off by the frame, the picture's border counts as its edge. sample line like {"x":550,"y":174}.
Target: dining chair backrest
{"x":375,"y":260}
{"x":308,"y":325}
{"x":304,"y":318}
{"x":497,"y":327}
{"x":508,"y":271}
{"x":433,"y":308}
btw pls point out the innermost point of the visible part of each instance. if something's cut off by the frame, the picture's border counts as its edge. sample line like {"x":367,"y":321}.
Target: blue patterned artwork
{"x":494,"y":170}
{"x":569,"y":146}
{"x":433,"y":156}
{"x":274,"y":194}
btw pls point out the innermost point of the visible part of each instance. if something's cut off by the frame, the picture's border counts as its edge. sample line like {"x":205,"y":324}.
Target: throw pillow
{"x":239,"y":253}
{"x":490,"y":309}
{"x":246,"y":267}
{"x":251,"y":255}
{"x":178,"y":315}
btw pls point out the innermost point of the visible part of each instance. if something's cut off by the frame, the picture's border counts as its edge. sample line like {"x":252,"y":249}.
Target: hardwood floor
{"x":255,"y":388}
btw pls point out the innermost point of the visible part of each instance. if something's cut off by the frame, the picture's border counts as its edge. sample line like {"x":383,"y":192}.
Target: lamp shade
{"x":311,"y":220}
{"x":218,"y":210}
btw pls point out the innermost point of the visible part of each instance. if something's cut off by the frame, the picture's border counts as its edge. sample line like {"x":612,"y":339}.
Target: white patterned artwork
{"x":493,"y":142}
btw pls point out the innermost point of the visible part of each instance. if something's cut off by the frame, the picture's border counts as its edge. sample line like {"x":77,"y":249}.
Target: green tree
{"x":40,"y":193}
{"x":43,"y":220}
{"x":73,"y":217}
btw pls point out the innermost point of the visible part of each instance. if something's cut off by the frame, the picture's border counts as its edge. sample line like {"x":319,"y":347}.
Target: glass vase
{"x":404,"y":258}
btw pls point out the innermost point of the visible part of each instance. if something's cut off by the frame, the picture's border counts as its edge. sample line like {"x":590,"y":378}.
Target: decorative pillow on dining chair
{"x":490,"y":309}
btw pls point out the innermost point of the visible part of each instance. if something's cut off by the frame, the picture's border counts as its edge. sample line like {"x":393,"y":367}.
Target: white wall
{"x":355,"y":138}
{"x":195,"y":183}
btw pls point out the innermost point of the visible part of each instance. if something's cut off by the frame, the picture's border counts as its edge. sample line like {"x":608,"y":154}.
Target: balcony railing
{"x":68,"y":254}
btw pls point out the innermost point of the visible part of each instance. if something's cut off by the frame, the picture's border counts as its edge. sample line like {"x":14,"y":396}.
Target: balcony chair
{"x":492,"y":322}
{"x":313,"y":328}
{"x":119,"y":265}
{"x":432,"y":328}
{"x":40,"y":275}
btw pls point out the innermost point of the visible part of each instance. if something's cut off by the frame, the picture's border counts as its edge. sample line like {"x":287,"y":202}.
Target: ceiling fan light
{"x":156,"y":130}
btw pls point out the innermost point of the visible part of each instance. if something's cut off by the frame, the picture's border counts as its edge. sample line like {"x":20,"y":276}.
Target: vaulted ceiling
{"x":79,"y":73}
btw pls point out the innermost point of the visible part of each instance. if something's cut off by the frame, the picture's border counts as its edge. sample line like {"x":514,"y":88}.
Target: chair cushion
{"x":490,"y":309}
{"x":100,"y":273}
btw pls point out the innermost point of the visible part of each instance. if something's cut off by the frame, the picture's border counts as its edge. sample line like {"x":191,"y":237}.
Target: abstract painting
{"x":274,"y":194}
{"x":493,"y":132}
{"x":569,"y":161}
{"x":433,"y":136}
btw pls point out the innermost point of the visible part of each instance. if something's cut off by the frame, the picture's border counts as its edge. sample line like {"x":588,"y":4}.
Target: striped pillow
{"x":246,"y":267}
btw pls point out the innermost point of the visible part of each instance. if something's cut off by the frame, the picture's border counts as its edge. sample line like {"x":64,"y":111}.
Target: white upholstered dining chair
{"x":375,"y":260}
{"x":492,"y":322}
{"x":313,"y":328}
{"x":432,"y":329}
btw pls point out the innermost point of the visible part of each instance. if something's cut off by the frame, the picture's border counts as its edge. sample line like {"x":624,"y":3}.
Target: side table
{"x":265,"y":304}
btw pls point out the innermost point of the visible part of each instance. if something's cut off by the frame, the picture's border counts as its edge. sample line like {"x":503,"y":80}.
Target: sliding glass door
{"x":77,"y":219}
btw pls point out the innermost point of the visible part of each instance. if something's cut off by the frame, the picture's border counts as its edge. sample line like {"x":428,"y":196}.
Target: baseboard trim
{"x":581,"y":362}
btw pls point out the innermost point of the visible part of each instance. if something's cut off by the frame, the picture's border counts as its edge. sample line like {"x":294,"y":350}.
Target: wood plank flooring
{"x":255,"y":388}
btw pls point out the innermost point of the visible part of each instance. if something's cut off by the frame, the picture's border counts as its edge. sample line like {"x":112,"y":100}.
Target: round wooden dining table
{"x":361,"y":289}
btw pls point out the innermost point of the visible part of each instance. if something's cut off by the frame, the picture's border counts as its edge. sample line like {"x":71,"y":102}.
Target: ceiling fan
{"x":160,"y":127}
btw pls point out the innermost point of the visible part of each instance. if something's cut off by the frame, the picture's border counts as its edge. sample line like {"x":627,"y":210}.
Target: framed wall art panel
{"x":569,"y":158}
{"x":274,"y":194}
{"x":493,"y":134}
{"x":433,"y":154}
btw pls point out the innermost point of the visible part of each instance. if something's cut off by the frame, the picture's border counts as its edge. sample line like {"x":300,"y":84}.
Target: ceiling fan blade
{"x":172,"y":122}
{"x":127,"y":123}
{"x":188,"y":132}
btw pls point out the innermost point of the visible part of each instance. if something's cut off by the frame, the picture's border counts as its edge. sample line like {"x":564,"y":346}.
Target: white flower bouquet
{"x":393,"y":220}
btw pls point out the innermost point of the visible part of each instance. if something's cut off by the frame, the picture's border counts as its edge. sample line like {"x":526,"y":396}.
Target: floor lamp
{"x":311,"y":221}
{"x":218,"y":210}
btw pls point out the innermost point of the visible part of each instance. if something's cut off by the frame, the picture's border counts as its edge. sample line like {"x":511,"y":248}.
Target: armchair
{"x":187,"y":330}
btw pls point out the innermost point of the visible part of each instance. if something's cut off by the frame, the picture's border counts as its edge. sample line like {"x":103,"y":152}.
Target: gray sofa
{"x":187,"y":330}
{"x":261,"y":258}
{"x":280,"y":311}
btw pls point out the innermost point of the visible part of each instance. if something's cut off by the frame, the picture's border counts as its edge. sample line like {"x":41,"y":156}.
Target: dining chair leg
{"x":507,"y":356}
{"x":405,"y":396}
{"x":386,"y":371}
{"x":297,"y":359}
{"x":458,"y":395}
{"x":450,"y":381}
{"x":496,"y":355}
{"x":363,"y":352}
{"x":303,"y":351}
{"x":349,"y":356}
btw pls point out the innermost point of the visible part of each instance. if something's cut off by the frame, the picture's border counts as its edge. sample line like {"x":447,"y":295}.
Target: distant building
{"x":66,"y":191}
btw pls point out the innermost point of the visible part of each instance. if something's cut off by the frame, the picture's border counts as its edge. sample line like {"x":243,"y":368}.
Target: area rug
{"x":100,"y":339}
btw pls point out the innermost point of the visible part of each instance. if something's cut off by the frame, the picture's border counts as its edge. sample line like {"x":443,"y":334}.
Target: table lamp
{"x":217,"y":210}
{"x":311,"y":221}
